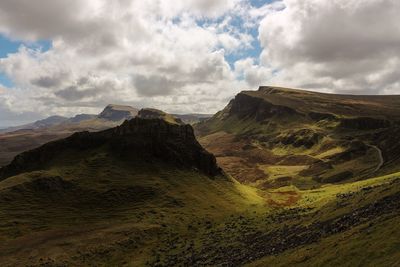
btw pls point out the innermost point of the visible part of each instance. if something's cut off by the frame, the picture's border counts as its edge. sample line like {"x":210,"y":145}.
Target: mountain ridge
{"x":312,"y":135}
{"x":137,"y":138}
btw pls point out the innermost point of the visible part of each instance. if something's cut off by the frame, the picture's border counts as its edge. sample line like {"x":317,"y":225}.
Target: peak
{"x":151,"y":113}
{"x":282,"y":90}
{"x":118,"y":112}
{"x":118,"y":107}
{"x":140,"y":140}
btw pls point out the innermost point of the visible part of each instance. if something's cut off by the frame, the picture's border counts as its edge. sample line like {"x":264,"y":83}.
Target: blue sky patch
{"x":9,"y":46}
{"x":5,"y":81}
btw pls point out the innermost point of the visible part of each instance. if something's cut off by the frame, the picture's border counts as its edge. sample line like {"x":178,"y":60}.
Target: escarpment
{"x":147,"y":140}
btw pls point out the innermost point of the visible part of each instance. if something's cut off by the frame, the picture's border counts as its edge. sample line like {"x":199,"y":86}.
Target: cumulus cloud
{"x":122,"y":51}
{"x":193,"y":55}
{"x":347,"y":46}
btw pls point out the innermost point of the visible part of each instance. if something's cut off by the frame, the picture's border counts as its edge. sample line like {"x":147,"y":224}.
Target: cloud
{"x":254,"y":74}
{"x":154,"y":85}
{"x":172,"y":56}
{"x":349,"y":46}
{"x":193,"y":55}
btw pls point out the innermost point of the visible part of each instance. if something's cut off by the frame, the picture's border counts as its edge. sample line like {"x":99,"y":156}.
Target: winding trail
{"x":381,"y":160}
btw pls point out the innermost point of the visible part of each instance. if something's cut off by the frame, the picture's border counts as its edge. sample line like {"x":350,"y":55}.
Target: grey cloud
{"x":154,"y":85}
{"x":50,"y":81}
{"x":72,"y":93}
{"x":87,"y":87}
{"x":341,"y":41}
{"x":43,"y":20}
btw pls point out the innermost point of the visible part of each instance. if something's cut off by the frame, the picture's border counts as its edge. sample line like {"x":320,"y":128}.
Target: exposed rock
{"x":304,"y":137}
{"x":118,"y":113}
{"x":138,"y":139}
{"x":245,"y":106}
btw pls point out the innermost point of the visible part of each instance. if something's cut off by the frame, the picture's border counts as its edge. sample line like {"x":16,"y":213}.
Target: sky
{"x":188,"y":56}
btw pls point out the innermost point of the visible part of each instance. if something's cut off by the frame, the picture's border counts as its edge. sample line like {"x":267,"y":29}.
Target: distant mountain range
{"x":113,"y":113}
{"x":15,"y":140}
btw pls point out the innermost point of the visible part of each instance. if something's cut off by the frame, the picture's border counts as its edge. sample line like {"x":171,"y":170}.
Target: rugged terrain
{"x":112,"y":190}
{"x":278,"y":137}
{"x":15,"y":140}
{"x":319,"y":186}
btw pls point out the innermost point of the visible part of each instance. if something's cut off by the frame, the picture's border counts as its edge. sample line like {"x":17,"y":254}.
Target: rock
{"x":244,"y":105}
{"x":118,"y":113}
{"x":148,"y":140}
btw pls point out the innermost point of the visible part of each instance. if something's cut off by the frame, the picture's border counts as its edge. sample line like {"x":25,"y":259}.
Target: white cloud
{"x":254,"y":74}
{"x":138,"y":52}
{"x":172,"y":55}
{"x":348,"y":46}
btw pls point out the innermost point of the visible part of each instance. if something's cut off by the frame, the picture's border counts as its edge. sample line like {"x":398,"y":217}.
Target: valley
{"x":294,"y":178}
{"x":278,"y":137}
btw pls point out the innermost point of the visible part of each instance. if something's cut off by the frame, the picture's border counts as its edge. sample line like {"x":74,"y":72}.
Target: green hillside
{"x":146,"y":193}
{"x":277,"y":137}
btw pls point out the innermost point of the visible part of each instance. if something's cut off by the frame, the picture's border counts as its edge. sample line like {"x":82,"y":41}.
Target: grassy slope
{"x":272,"y":140}
{"x":89,"y":225}
{"x":374,"y":241}
{"x":182,"y":217}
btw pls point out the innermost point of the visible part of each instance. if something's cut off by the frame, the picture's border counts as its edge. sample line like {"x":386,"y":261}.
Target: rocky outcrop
{"x":118,"y":113}
{"x":151,"y":113}
{"x":298,"y":138}
{"x":245,"y":106}
{"x":146,"y":140}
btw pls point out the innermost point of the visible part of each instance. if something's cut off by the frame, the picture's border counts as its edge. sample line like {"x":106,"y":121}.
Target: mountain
{"x":18,"y":139}
{"x":146,"y":193}
{"x":50,"y":121}
{"x":137,"y":140}
{"x":15,"y":140}
{"x":277,"y":137}
{"x":118,"y":113}
{"x":112,"y":193}
{"x":151,"y":113}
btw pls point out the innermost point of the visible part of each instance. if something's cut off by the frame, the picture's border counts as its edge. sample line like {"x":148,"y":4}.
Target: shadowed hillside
{"x":114,"y":190}
{"x":18,"y":139}
{"x":139,"y":140}
{"x":146,"y":193}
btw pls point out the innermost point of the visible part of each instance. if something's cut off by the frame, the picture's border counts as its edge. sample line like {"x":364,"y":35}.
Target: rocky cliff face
{"x":244,"y":105}
{"x":118,"y":113}
{"x":147,"y":140}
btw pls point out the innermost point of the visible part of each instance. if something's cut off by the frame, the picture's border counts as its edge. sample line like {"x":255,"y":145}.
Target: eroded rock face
{"x":118,"y":113}
{"x":364,"y":123}
{"x":247,"y":106}
{"x":297,"y":138}
{"x":147,"y":140}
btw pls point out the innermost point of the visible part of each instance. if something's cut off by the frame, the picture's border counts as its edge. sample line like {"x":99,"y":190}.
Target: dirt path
{"x":381,"y":160}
